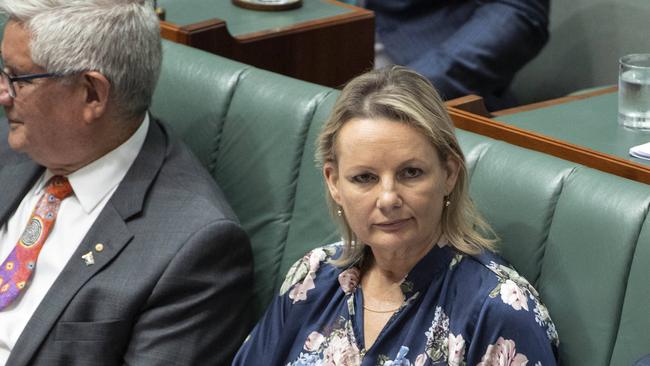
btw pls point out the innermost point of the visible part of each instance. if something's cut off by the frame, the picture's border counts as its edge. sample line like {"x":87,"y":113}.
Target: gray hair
{"x":118,"y":38}
{"x":404,"y":96}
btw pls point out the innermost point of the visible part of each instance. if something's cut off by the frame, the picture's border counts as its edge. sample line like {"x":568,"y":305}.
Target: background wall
{"x":587,"y":39}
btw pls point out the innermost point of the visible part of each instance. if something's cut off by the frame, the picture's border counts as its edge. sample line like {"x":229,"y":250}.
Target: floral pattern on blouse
{"x":337,"y":348}
{"x":459,"y":310}
{"x":437,"y":340}
{"x":302,"y":274}
{"x":503,"y":353}
{"x":515,"y":289}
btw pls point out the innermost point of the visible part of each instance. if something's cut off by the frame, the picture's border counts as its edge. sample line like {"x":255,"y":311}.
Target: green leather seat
{"x":580,"y":235}
{"x":255,"y":141}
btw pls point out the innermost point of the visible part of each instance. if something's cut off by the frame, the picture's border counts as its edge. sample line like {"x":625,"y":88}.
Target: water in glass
{"x":634,"y":93}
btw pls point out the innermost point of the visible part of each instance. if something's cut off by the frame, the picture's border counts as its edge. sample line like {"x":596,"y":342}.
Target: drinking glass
{"x":634,"y":91}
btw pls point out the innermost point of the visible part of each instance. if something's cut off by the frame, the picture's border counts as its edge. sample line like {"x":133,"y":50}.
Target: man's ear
{"x":331,"y":174}
{"x":96,"y":88}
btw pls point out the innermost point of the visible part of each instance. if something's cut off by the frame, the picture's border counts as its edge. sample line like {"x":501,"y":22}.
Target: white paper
{"x":641,"y":151}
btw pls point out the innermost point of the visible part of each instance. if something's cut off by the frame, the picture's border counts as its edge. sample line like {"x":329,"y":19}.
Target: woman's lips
{"x":393,"y":225}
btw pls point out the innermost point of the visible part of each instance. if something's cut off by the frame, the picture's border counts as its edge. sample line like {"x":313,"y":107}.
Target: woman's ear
{"x":331,"y":174}
{"x":452,"y":166}
{"x":97,"y":88}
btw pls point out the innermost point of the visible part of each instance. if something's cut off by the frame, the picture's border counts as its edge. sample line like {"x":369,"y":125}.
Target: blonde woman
{"x":415,"y":280}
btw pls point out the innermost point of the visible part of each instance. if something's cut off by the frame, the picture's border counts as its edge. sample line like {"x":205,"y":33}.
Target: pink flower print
{"x":299,"y":291}
{"x":420,"y":360}
{"x":314,"y":341}
{"x":512,"y":295}
{"x":315,"y":258}
{"x":349,"y":279}
{"x":503,"y":353}
{"x":341,"y":352}
{"x":456,"y":349}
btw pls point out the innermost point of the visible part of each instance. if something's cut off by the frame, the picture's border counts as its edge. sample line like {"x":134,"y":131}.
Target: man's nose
{"x":5,"y":99}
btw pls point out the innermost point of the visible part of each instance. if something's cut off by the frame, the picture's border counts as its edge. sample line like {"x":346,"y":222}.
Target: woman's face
{"x":390,"y":183}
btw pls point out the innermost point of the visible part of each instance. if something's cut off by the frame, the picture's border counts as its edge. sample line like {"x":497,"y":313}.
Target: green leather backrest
{"x":582,"y":236}
{"x":253,"y":139}
{"x":574,"y":233}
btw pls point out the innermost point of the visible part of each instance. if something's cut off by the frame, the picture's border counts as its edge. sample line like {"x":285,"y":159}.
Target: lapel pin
{"x":88,"y":258}
{"x":99,"y":247}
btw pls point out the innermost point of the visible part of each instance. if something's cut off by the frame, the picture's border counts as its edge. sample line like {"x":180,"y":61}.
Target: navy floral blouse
{"x":459,"y":310}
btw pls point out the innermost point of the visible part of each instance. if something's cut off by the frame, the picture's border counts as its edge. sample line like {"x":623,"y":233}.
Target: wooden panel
{"x":470,"y":103}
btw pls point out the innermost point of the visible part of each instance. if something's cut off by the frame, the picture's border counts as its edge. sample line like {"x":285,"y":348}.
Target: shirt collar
{"x":437,"y":258}
{"x":420,"y":276}
{"x":94,"y":181}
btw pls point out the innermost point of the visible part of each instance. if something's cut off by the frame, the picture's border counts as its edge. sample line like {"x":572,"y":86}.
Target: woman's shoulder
{"x":315,"y":263}
{"x":505,"y":275}
{"x":507,"y":295}
{"x":490,"y":265}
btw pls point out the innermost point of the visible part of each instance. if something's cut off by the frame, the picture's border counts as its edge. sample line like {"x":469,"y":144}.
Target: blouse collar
{"x":420,"y":276}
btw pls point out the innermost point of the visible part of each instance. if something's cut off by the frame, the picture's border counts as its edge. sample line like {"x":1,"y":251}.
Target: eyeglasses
{"x":9,"y":80}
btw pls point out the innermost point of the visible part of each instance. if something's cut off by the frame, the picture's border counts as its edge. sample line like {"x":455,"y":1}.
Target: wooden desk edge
{"x":551,"y":102}
{"x":534,"y":141}
{"x":168,"y":29}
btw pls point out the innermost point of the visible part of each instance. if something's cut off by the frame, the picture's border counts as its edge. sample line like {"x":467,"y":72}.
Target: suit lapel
{"x":75,"y":274}
{"x":110,"y":229}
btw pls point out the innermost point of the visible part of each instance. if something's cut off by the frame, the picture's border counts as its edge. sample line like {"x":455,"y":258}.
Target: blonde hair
{"x":402,"y":95}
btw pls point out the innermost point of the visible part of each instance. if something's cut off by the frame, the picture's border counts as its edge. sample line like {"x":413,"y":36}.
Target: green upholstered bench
{"x":580,"y":235}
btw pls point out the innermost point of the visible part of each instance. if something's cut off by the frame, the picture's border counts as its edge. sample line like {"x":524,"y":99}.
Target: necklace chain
{"x":381,"y":311}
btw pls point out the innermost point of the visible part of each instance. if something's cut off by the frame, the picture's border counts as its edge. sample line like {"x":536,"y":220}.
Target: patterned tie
{"x":20,"y":263}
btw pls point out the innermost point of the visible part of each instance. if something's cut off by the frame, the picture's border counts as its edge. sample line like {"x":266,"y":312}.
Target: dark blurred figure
{"x":462,"y":46}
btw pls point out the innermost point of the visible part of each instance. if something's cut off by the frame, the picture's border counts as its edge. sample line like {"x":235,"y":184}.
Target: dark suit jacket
{"x":172,"y":283}
{"x":464,"y":46}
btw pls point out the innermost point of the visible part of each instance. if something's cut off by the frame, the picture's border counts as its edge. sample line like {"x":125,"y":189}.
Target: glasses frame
{"x":11,"y":79}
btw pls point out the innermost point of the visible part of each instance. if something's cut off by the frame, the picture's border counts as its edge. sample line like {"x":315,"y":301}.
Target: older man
{"x":116,"y":247}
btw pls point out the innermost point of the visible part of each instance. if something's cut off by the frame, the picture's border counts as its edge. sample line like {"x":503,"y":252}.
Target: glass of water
{"x":634,"y":91}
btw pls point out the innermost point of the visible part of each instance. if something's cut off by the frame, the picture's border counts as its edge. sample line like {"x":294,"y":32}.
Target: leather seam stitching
{"x":627,"y":279}
{"x":214,"y":154}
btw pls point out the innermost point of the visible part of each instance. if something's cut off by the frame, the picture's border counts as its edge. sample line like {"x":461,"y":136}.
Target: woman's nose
{"x":388,"y":198}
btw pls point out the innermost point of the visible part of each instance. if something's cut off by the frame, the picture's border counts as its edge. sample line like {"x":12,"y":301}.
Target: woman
{"x":414,"y":280}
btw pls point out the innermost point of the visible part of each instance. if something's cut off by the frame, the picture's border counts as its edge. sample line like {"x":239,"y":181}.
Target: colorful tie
{"x":20,"y":263}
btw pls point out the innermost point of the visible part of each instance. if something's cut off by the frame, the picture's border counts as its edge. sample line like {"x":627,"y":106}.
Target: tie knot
{"x":59,"y":187}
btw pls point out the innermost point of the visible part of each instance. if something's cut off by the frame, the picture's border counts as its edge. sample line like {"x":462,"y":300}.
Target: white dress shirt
{"x":92,"y":185}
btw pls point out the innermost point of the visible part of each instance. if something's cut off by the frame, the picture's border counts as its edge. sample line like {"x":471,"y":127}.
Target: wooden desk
{"x":324,"y":42}
{"x":582,"y":129}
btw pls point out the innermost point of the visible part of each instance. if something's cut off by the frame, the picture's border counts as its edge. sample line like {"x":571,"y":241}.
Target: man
{"x":130,"y":254}
{"x":462,"y":46}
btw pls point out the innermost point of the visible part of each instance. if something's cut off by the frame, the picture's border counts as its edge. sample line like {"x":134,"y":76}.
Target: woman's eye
{"x":409,"y":173}
{"x":363,"y":178}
